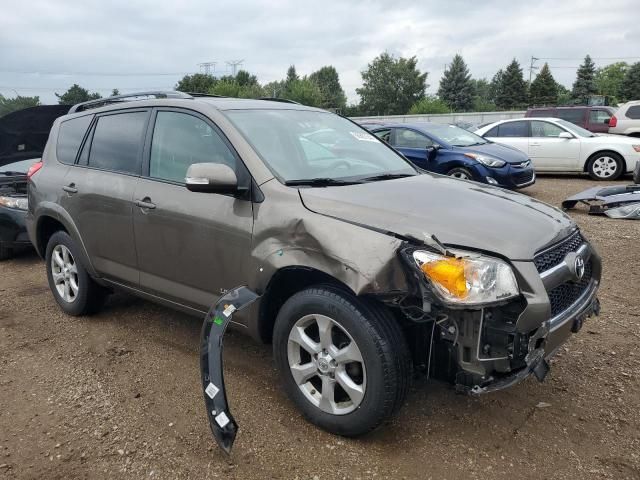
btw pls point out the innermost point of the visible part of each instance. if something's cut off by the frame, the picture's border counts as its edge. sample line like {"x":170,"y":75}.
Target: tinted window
{"x":513,"y":129}
{"x":406,"y":138}
{"x":384,"y":135}
{"x":70,"y":136}
{"x":598,"y":116}
{"x":545,"y":129}
{"x":573,"y":115}
{"x":634,"y":112}
{"x":179,"y":140}
{"x":492,"y":133}
{"x":117,"y":142}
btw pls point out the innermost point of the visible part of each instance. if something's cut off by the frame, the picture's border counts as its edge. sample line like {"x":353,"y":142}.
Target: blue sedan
{"x":450,"y":150}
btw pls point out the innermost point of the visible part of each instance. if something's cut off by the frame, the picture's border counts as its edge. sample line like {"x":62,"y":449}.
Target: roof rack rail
{"x":101,"y":102}
{"x":198,"y":94}
{"x":281,"y":100}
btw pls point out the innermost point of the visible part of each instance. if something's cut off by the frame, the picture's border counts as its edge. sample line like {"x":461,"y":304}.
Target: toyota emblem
{"x":579,"y":268}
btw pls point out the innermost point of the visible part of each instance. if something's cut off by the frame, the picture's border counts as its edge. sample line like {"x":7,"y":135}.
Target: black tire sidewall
{"x":378,"y":401}
{"x":619,"y":168}
{"x":460,"y":169}
{"x":80,"y":305}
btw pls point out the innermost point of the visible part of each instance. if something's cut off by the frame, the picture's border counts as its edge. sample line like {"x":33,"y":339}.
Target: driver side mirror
{"x":565,"y":135}
{"x":211,"y":178}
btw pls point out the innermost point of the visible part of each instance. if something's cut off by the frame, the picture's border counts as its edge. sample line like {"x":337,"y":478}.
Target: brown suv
{"x":366,"y":268}
{"x":593,"y":118}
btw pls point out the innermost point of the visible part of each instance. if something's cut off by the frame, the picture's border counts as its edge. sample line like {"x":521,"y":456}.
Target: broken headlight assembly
{"x":629,"y":211}
{"x":467,"y":279}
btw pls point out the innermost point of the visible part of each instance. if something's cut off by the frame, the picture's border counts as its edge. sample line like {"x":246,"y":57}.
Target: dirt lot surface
{"x":117,"y":395}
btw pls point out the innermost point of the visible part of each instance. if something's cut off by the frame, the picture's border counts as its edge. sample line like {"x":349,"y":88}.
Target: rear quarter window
{"x":574,"y":115}
{"x":634,"y":112}
{"x":70,"y":137}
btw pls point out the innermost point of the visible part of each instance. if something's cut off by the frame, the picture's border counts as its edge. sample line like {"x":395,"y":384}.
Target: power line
{"x":106,"y":74}
{"x":592,"y":58}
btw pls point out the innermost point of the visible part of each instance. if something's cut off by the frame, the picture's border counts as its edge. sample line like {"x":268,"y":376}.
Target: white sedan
{"x":555,"y":145}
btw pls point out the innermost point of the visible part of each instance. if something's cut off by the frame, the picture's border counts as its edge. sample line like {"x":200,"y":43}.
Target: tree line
{"x":396,"y":86}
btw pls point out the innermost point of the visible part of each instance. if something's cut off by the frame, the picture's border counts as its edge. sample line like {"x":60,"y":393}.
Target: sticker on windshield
{"x":364,"y":137}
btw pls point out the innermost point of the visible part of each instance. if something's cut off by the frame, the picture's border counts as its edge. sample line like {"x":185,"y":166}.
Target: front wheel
{"x":605,"y":166}
{"x":461,"y":173}
{"x":344,"y":361}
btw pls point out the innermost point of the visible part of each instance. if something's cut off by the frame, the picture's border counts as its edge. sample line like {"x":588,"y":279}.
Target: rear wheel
{"x":5,"y":253}
{"x":461,"y":173}
{"x":72,"y":287}
{"x":344,"y":362}
{"x":605,"y":166}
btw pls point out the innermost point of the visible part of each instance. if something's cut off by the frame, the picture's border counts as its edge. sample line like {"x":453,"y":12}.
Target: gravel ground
{"x":117,"y":395}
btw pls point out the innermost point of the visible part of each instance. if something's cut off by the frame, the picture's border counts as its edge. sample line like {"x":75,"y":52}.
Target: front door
{"x":191,"y":246}
{"x":414,"y":145}
{"x":549,"y":152}
{"x":102,"y":185}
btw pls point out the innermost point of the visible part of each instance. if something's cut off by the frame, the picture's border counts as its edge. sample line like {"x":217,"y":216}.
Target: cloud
{"x":98,"y":44}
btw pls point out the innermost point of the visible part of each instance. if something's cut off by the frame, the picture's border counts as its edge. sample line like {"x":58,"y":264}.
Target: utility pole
{"x":207,"y":67}
{"x":234,"y":66}
{"x":532,"y":68}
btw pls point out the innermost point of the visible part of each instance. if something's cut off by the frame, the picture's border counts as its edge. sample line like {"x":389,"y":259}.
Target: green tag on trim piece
{"x":218,"y":321}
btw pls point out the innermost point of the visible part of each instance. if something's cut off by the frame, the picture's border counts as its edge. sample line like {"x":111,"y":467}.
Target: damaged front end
{"x":615,"y":202}
{"x":508,"y":328}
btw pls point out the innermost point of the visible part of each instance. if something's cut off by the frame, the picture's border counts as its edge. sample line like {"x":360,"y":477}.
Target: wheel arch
{"x":585,"y":167}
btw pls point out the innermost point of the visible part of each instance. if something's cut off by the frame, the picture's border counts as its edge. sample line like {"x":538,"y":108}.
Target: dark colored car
{"x":366,"y":268}
{"x":451,"y":150}
{"x":13,"y":207}
{"x":592,"y":118}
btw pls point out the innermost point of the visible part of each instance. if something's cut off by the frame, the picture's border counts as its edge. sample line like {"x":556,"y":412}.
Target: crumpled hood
{"x":459,"y":213}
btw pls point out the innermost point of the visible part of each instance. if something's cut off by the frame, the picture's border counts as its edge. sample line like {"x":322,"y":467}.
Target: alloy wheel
{"x":604,"y":167}
{"x":65,"y":273}
{"x":460,"y":174}
{"x":326,"y":364}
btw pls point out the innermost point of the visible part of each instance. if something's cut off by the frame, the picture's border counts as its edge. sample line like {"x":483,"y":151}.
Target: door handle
{"x":534,"y":144}
{"x":71,"y":188}
{"x":145,"y":203}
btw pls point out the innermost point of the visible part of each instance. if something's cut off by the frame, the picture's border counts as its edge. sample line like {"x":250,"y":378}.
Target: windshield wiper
{"x":386,"y":176}
{"x":320,"y":182}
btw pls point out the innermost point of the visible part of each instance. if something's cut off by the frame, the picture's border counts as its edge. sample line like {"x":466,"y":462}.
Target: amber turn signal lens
{"x":449,"y":273}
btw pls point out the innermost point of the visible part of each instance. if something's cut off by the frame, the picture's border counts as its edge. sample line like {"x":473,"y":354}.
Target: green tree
{"x":391,"y":86}
{"x":495,"y":85}
{"x":564,"y":95}
{"x":115,"y":92}
{"x":292,"y":75}
{"x":304,"y":91}
{"x":544,"y":88}
{"x":512,"y":90}
{"x":245,"y":79}
{"x":76,"y":94}
{"x":609,"y":80}
{"x":429,"y":104}
{"x":456,"y":87}
{"x":225,"y":88}
{"x":328,"y":82}
{"x":630,"y":87}
{"x":8,"y":105}
{"x":482,"y":96}
{"x":275,"y":89}
{"x":196,"y":83}
{"x":585,"y":84}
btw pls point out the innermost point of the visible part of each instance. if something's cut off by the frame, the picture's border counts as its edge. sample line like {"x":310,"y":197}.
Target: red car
{"x":593,"y":118}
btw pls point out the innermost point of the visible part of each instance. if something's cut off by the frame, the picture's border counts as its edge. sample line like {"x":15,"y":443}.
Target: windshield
{"x":581,"y":132}
{"x":18,"y":167}
{"x":302,"y":145}
{"x":455,"y":136}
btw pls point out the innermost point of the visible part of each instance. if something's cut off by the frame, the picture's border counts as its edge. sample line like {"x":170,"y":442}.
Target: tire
{"x":636,"y":173}
{"x":378,"y":384}
{"x":605,"y":166}
{"x":79,"y":293}
{"x":5,"y":253}
{"x":461,"y":173}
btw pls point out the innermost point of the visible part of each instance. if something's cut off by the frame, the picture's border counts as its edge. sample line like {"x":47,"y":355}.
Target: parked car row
{"x":366,"y":267}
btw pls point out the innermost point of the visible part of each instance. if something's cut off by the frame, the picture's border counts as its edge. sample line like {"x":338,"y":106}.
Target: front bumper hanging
{"x":223,"y":425}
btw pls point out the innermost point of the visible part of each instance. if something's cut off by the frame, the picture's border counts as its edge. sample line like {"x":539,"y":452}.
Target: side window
{"x":541,"y":113}
{"x":545,"y":129}
{"x":573,"y":115}
{"x":634,"y":112}
{"x":492,"y":133}
{"x":181,"y":139}
{"x":598,"y":116}
{"x":384,"y":135}
{"x":117,"y":142}
{"x":70,"y":137}
{"x":513,"y":129}
{"x":406,"y":138}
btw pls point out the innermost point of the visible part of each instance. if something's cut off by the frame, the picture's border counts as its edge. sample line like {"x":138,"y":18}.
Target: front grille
{"x":523,"y":177}
{"x":555,"y":255}
{"x":563,"y":296}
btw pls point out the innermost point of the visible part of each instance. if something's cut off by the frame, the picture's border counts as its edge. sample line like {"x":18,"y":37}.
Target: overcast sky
{"x":45,"y":45}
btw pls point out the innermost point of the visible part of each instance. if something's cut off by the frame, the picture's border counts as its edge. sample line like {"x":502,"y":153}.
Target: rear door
{"x":191,"y":246}
{"x":548,"y":151}
{"x":577,"y":116}
{"x":111,"y":162}
{"x":598,"y":120}
{"x":413,"y":144}
{"x":515,"y":134}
